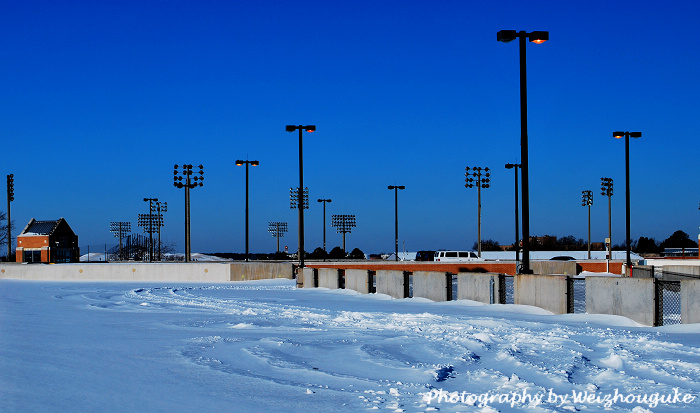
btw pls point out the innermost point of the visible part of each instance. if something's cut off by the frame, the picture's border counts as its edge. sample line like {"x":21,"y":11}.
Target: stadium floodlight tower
{"x":158,"y":209}
{"x":299,"y":200}
{"x":300,"y":196}
{"x":396,"y":188}
{"x":240,"y":162}
{"x":476,"y":179}
{"x":325,"y":201}
{"x":606,"y":189}
{"x":343,"y":225}
{"x":628,"y":241}
{"x":148,"y":225}
{"x":10,"y":198}
{"x":587,"y":200}
{"x":277,"y":229}
{"x":537,"y":37}
{"x":189,"y":182}
{"x":120,"y":229}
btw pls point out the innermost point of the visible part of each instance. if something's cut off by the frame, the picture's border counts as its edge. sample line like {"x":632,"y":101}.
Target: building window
{"x":32,"y":256}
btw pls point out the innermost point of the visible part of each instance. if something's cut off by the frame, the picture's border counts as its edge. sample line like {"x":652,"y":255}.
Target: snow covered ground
{"x":267,"y":346}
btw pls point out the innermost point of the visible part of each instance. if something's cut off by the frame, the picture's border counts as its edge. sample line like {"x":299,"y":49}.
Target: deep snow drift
{"x":267,"y":346}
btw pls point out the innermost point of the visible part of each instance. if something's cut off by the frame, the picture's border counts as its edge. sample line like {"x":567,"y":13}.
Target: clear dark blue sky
{"x":101,"y":99}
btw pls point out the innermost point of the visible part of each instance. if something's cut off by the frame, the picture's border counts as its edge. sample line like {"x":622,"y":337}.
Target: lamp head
{"x":635,"y":134}
{"x":539,"y":37}
{"x":239,"y":162}
{"x":254,"y":163}
{"x":310,"y":128}
{"x":506,"y":36}
{"x":290,"y":128}
{"x":618,"y":135}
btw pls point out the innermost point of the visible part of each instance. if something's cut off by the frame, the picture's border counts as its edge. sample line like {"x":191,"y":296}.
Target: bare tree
{"x":3,"y":228}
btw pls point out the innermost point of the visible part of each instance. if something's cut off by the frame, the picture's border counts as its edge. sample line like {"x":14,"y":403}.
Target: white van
{"x":456,"y":256}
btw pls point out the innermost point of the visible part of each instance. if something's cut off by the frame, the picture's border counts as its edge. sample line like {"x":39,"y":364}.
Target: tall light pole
{"x":119,"y":228}
{"x":627,"y":135}
{"x":343,"y":224}
{"x":515,"y":167}
{"x":10,"y":198}
{"x":277,"y":229}
{"x":587,"y":200}
{"x":396,"y":217}
{"x":300,"y":128}
{"x":606,"y":189}
{"x":150,"y":229}
{"x":190,"y":182}
{"x":480,"y":181}
{"x":246,"y":163}
{"x":160,"y":207}
{"x":537,"y":37}
{"x":324,"y":221}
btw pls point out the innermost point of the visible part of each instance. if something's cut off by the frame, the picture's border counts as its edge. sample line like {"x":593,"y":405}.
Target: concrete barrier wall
{"x":328,"y":278}
{"x":672,"y":272}
{"x":544,"y":291}
{"x":629,"y":297}
{"x":690,"y":301}
{"x":309,"y":277}
{"x":432,"y":285}
{"x":478,"y":287}
{"x":357,"y":280}
{"x":555,"y":267}
{"x":189,"y":272}
{"x":391,"y":283}
{"x":247,"y":271}
{"x":185,"y":272}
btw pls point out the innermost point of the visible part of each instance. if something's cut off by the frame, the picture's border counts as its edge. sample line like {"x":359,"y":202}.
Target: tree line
{"x":644,"y":245}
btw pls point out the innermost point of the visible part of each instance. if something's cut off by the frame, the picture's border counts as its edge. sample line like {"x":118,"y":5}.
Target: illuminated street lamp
{"x":537,"y":37}
{"x":190,"y":182}
{"x":476,"y":179}
{"x":587,"y":200}
{"x":606,"y":189}
{"x":119,"y":229}
{"x":515,"y":167}
{"x":246,"y":163}
{"x":343,"y":225}
{"x":324,"y":221}
{"x":300,"y":197}
{"x":627,"y":135}
{"x":277,"y":229}
{"x":396,"y":218}
{"x":10,"y":198}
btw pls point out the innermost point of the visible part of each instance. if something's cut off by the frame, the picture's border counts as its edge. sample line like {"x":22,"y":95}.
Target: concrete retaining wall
{"x":629,"y":297}
{"x":310,"y":278}
{"x":544,"y":291}
{"x":690,"y":301}
{"x":183,"y":272}
{"x":555,"y":267}
{"x":432,"y":285}
{"x":391,"y":283}
{"x":481,"y":287}
{"x":357,"y":280}
{"x":328,"y":278}
{"x":247,"y":271}
{"x":672,"y":272}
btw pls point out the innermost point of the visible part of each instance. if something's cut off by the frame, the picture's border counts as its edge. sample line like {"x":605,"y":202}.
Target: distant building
{"x":48,"y":242}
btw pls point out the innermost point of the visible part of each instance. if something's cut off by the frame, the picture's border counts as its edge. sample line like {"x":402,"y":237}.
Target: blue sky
{"x":101,"y":99}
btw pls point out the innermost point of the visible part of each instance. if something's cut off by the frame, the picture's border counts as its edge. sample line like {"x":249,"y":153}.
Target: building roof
{"x":41,"y":227}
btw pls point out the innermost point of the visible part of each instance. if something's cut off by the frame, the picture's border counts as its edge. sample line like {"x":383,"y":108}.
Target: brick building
{"x":48,"y":242}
